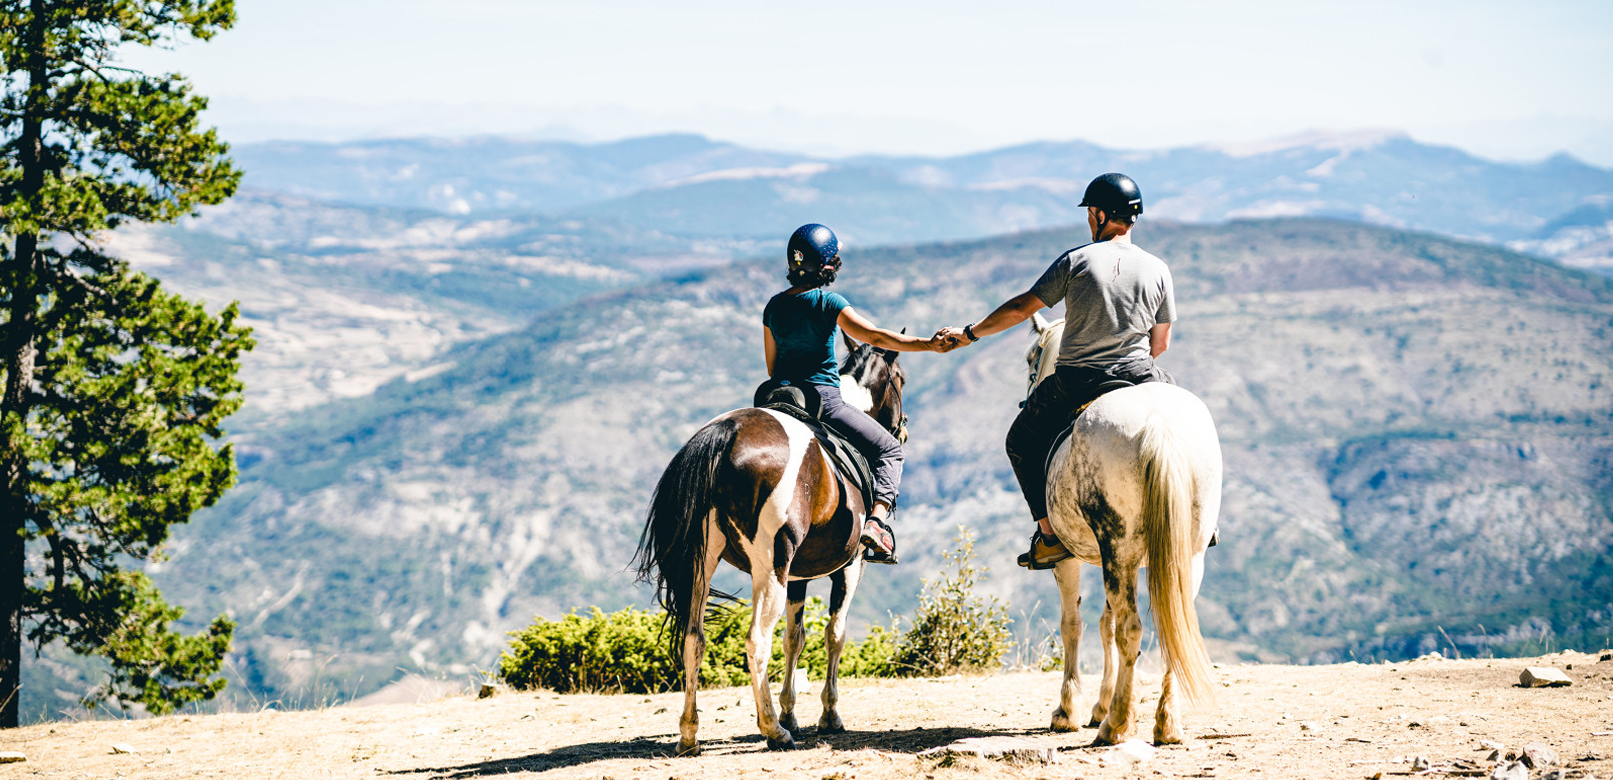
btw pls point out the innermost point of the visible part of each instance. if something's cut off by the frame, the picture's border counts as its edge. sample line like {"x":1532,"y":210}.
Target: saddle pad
{"x":846,"y":459}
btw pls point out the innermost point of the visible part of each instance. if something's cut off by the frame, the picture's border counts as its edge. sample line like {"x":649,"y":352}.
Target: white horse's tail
{"x":1168,"y":526}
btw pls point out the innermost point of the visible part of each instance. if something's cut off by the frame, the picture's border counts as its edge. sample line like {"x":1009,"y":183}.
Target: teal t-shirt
{"x":804,"y":328}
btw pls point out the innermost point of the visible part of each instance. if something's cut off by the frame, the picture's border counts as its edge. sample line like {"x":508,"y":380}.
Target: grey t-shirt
{"x":1113,"y":295}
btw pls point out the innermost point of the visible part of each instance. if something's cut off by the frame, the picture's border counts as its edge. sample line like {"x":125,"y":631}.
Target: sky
{"x":1506,"y":80}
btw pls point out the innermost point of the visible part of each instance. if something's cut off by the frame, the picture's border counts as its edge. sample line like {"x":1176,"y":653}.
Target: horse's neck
{"x":855,"y":395}
{"x":1050,"y":352}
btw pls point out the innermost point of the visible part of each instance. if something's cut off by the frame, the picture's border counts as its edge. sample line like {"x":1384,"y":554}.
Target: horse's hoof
{"x":1168,"y":739}
{"x":690,"y":749}
{"x":1108,"y":735}
{"x":785,"y":742}
{"x":831,"y":724}
{"x":1062,"y":722}
{"x":787,"y":722}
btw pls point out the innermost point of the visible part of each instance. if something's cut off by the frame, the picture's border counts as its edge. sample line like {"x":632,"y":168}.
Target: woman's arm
{"x":858,"y":327}
{"x":770,"y":347}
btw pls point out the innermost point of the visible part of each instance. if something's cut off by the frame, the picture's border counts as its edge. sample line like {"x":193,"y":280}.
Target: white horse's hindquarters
{"x":1102,"y":458}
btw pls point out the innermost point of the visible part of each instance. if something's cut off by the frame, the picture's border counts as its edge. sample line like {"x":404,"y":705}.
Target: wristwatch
{"x":969,"y":330}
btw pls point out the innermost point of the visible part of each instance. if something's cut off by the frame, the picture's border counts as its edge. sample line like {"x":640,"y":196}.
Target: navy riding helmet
{"x":1115,"y":194}
{"x":812,"y":246}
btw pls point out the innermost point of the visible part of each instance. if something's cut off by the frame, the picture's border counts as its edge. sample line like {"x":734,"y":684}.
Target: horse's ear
{"x":904,"y":330}
{"x":851,"y":343}
{"x":1038,"y":322}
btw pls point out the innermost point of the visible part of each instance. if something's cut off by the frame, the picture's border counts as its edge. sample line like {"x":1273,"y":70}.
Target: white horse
{"x":1137,"y":483}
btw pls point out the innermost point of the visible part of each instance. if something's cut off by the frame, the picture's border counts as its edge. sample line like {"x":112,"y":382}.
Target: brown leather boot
{"x":1044,"y":553}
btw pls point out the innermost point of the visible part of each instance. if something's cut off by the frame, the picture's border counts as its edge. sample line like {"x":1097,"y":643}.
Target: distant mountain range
{"x":689,"y":185}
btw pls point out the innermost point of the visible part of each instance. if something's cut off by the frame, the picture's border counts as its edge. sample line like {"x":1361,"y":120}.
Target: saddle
{"x":802,"y":403}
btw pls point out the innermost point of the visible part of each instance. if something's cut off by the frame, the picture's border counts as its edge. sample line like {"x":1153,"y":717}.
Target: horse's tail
{"x":672,"y":550}
{"x":1168,"y":526}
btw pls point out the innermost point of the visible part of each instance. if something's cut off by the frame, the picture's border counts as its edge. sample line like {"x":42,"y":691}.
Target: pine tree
{"x":114,"y":390}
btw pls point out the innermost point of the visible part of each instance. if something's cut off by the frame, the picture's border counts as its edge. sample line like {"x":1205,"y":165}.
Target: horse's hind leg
{"x":768,"y":594}
{"x":834,"y":641}
{"x":1106,"y":688}
{"x":694,"y":640}
{"x":1120,"y":591}
{"x":794,"y":640}
{"x":1068,"y":575}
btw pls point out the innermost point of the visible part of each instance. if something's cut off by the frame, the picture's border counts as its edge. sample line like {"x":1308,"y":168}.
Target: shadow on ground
{"x":906,"y":741}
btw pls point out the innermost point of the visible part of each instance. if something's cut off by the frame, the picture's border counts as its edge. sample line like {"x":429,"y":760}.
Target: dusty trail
{"x":1345,"y":721}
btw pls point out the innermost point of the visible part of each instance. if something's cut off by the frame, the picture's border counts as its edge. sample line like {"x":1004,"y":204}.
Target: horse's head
{"x":871,"y":380}
{"x":1044,"y":354}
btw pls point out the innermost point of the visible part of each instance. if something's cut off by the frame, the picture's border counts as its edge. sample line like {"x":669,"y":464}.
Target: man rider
{"x":1118,"y":308}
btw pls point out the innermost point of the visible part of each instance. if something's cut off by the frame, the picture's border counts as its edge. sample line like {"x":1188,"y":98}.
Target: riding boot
{"x":1044,"y":553}
{"x":879,"y":541}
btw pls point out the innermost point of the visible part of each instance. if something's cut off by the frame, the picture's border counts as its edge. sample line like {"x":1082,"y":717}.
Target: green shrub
{"x":954,"y":630}
{"x":624,"y":652}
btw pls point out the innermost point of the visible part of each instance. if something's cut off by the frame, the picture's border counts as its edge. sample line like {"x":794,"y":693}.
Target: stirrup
{"x":879,"y":542}
{"x":1045,"y":552}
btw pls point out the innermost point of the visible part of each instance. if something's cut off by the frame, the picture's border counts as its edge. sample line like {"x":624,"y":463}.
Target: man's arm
{"x":770,"y":347}
{"x":1013,"y":311}
{"x":1159,"y":339}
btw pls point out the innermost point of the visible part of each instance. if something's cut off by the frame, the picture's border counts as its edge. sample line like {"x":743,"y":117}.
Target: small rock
{"x":1308,"y":726}
{"x":1607,"y":655}
{"x":999,"y":748}
{"x":1420,"y":764}
{"x":118,"y":749}
{"x":1538,"y":755}
{"x":11,"y":757}
{"x":1495,"y":755}
{"x":1132,"y":752}
{"x":490,"y":689}
{"x":802,"y":683}
{"x":1432,"y":656}
{"x":1491,"y":744}
{"x":1439,"y":722}
{"x":1511,"y":770}
{"x":1543,"y":676}
{"x":1555,"y":774}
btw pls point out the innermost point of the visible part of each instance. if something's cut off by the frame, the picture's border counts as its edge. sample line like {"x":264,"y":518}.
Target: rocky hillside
{"x":1418,"y":435}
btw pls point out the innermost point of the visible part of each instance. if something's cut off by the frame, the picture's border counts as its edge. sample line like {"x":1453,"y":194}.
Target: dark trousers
{"x":883,"y":451}
{"x":1053,"y":407}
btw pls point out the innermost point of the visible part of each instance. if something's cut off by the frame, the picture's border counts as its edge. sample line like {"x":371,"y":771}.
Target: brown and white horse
{"x":755,"y":488}
{"x":1137,"y":483}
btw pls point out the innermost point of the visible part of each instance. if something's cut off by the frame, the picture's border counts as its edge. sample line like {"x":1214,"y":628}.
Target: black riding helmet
{"x":1116,"y":195}
{"x":812,"y":246}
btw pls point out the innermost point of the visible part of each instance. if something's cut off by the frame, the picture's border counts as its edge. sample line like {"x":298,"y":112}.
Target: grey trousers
{"x":883,"y":451}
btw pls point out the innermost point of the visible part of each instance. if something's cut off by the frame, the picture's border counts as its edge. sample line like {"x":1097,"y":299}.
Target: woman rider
{"x":798,"y":331}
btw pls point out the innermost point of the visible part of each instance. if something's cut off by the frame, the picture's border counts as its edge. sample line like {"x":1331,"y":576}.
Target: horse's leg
{"x":768,"y":595}
{"x":1168,"y":721}
{"x":694,"y":640}
{"x":1120,"y":591}
{"x":794,"y":641}
{"x":1106,"y":688}
{"x":834,"y":641}
{"x":1068,"y":575}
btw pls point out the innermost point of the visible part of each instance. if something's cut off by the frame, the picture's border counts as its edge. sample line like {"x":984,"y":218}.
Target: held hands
{"x":948,"y":339}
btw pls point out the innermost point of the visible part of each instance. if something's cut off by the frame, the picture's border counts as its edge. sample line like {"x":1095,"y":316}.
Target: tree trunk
{"x":17,"y":351}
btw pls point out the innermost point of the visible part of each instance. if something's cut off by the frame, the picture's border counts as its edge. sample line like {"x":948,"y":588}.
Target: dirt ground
{"x":1344,"y":721}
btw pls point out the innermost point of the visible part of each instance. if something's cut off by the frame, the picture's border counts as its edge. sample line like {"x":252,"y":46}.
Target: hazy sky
{"x":1505,"y":79}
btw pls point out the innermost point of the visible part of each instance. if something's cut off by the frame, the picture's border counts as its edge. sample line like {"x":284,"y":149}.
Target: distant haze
{"x":922,"y":78}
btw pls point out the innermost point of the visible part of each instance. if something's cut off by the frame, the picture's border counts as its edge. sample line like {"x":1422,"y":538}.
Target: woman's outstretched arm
{"x":858,"y":327}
